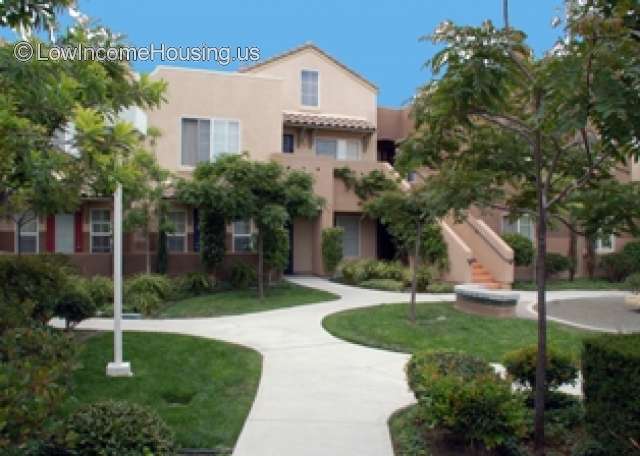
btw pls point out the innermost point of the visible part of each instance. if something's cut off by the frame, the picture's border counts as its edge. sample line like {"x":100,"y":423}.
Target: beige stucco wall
{"x":256,"y":101}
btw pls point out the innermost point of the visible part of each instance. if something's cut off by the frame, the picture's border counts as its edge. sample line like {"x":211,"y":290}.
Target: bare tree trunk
{"x":505,"y":13}
{"x":18,"y":234}
{"x":591,"y":255}
{"x":414,"y":274}
{"x":147,"y":257}
{"x":541,"y":284}
{"x":260,"y":266}
{"x":573,"y":254}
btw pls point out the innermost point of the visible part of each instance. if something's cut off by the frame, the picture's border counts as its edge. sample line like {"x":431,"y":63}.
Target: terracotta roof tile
{"x":303,"y":119}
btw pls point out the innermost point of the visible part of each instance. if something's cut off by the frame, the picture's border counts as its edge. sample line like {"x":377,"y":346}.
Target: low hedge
{"x":521,"y":365}
{"x":357,"y":271}
{"x":523,"y":251}
{"x":611,"y":371}
{"x":383,"y":284}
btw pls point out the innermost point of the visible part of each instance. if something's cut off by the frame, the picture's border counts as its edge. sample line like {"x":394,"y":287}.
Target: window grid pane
{"x":28,"y":243}
{"x":326,"y":147}
{"x":351,"y":234}
{"x":175,"y":243}
{"x":309,"y":88}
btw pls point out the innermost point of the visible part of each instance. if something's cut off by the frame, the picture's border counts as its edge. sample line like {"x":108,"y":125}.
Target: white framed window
{"x":226,"y":137}
{"x":100,"y":230}
{"x":523,"y":226}
{"x":350,"y":225}
{"x":196,"y":141}
{"x":340,"y":149}
{"x":309,"y":84}
{"x":28,"y":240}
{"x":606,"y":244}
{"x":242,"y":236}
{"x":177,"y":239}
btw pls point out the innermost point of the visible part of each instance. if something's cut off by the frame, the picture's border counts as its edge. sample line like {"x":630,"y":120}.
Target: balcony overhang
{"x":327,"y":122}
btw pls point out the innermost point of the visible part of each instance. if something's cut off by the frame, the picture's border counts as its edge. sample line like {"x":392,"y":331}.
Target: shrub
{"x":521,"y":365}
{"x":75,"y":303}
{"x":116,"y":428}
{"x":632,"y":251}
{"x":383,"y":284}
{"x":482,"y":410}
{"x":331,"y":248}
{"x":440,"y":287}
{"x":611,"y":369}
{"x":633,"y":282}
{"x":31,"y":287}
{"x":35,"y":371}
{"x":242,"y":276}
{"x":424,"y":276}
{"x":194,"y":283}
{"x":523,"y":252}
{"x":555,"y":263}
{"x":100,"y":289}
{"x":443,"y":362}
{"x":616,"y":266}
{"x":145,"y":293}
{"x":357,"y":271}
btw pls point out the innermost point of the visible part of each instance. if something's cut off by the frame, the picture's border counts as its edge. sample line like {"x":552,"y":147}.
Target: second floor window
{"x":100,"y":231}
{"x":287,"y":143}
{"x":340,"y":149}
{"x":196,"y":141}
{"x":176,"y":240}
{"x":309,"y":88}
{"x":226,"y":137}
{"x":522,"y":226}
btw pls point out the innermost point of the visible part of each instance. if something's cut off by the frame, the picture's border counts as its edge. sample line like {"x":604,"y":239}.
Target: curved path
{"x":318,"y":395}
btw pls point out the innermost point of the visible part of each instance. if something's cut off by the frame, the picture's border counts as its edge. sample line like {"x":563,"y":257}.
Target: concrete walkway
{"x":318,"y":395}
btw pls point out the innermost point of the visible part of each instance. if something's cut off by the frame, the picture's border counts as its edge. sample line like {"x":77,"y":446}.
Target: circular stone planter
{"x":480,"y":301}
{"x":632,"y":301}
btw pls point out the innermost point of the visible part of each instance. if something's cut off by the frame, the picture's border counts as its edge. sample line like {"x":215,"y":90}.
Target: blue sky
{"x":377,"y":38}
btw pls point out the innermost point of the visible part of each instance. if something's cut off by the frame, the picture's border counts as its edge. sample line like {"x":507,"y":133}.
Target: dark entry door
{"x":289,"y":268}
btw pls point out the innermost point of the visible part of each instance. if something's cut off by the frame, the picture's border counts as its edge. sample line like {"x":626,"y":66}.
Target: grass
{"x":202,"y":388}
{"x":440,"y":326}
{"x":581,"y":283}
{"x":234,"y":302}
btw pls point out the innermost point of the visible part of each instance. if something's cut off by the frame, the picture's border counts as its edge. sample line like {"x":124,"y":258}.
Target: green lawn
{"x":577,"y":284}
{"x":233,"y":302}
{"x":440,"y":326}
{"x":202,"y":388}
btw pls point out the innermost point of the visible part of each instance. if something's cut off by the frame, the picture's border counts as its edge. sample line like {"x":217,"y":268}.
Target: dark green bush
{"x":242,"y":276}
{"x":35,"y":371}
{"x":113,"y":428}
{"x":31,"y":287}
{"x":425,"y":275}
{"x":357,"y":271}
{"x":611,"y":369}
{"x":100,"y":289}
{"x":194,"y":283}
{"x":616,"y":266}
{"x":633,"y":282}
{"x":331,"y":248}
{"x":145,"y":293}
{"x":521,"y":365}
{"x":440,"y":287}
{"x":555,"y":263}
{"x":632,"y":251}
{"x":443,"y":362}
{"x":523,"y":252}
{"x":75,"y":303}
{"x":383,"y":284}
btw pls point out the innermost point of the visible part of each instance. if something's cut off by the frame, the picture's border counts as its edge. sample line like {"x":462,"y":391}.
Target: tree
{"x":503,"y":128}
{"x":212,"y":239}
{"x":234,"y":187}
{"x":411,"y":218}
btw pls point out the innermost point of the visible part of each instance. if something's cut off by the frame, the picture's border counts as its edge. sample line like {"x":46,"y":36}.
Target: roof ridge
{"x":307,"y":45}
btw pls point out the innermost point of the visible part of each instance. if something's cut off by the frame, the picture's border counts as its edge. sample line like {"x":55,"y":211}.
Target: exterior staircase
{"x":481,"y":276}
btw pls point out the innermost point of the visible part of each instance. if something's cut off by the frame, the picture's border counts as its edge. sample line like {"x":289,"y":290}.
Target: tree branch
{"x":507,"y":122}
{"x":577,"y":183}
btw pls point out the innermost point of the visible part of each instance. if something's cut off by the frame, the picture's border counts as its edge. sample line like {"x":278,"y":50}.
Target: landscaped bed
{"x":203,"y":389}
{"x":233,"y":302}
{"x":440,"y":326}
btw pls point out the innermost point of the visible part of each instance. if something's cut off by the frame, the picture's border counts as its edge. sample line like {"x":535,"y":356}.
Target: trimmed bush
{"x":440,"y":287}
{"x":616,"y":266}
{"x":632,"y":251}
{"x":443,"y":362}
{"x":611,"y":369}
{"x":75,"y":303}
{"x":424,"y":276}
{"x":194,"y":283}
{"x":357,"y":271}
{"x":521,"y":365}
{"x":145,"y":293}
{"x":100,"y":289}
{"x":242,"y":276}
{"x":383,"y":284}
{"x":633,"y":282}
{"x":331,"y":248}
{"x":117,"y":428}
{"x":555,"y":263}
{"x":523,"y":252}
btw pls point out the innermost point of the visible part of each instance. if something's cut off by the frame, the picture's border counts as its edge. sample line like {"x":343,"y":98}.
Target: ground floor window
{"x":350,"y":225}
{"x":242,"y":236}
{"x":522,"y":226}
{"x":100,"y":227}
{"x":606,"y":244}
{"x":177,"y":238}
{"x":27,"y":240}
{"x":64,"y":233}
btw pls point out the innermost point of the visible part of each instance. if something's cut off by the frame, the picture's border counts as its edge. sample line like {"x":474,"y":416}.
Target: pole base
{"x":119,"y":370}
